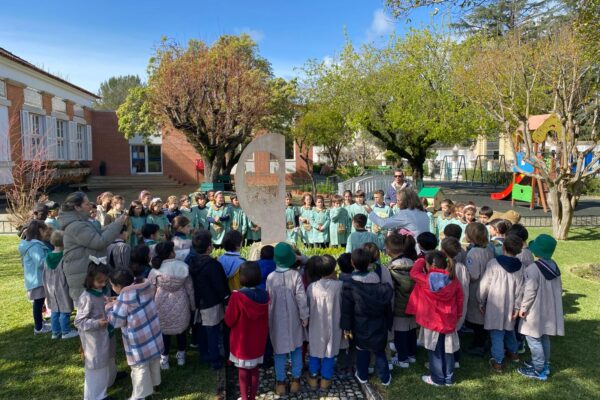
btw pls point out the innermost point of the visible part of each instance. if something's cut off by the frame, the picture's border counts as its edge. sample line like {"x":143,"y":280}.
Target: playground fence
{"x":546,"y":221}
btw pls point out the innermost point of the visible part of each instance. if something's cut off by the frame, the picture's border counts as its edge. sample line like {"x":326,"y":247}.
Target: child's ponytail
{"x":442,"y":261}
{"x":162,"y":251}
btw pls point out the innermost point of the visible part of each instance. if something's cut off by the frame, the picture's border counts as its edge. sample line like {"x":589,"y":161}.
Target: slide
{"x":506,"y":192}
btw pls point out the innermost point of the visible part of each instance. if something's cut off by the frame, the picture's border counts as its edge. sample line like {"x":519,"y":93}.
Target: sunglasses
{"x":398,"y":176}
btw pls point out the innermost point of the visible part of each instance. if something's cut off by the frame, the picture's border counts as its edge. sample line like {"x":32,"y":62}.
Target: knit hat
{"x":284,"y":255}
{"x":543,"y":246}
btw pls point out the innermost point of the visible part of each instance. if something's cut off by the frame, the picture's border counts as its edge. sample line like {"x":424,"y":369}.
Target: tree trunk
{"x":212,"y":169}
{"x":562,"y":210}
{"x":417,"y":165}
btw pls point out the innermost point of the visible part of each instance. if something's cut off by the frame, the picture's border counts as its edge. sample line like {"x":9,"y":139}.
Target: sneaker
{"x":456,"y":364}
{"x":164,"y":362}
{"x":180,"y":358}
{"x":388,"y":381}
{"x":363,"y":381}
{"x":72,"y":334}
{"x":392,"y":347}
{"x":45,"y":329}
{"x":412,"y":359}
{"x":193,"y":345}
{"x":371,"y":370}
{"x":449,"y":384}
{"x":55,"y":336}
{"x":427,"y":380}
{"x":401,"y":364}
{"x":529,"y":364}
{"x":496,"y":366}
{"x":522,"y":348}
{"x":532,"y":373}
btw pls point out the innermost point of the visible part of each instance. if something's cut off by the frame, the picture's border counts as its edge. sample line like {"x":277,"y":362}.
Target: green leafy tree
{"x":114,"y":91}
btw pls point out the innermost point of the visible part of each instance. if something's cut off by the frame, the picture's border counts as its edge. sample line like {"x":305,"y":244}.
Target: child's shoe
{"x":164,"y":362}
{"x":45,"y":329}
{"x":496,"y":366}
{"x":412,"y":359}
{"x":529,"y":364}
{"x":522,"y":349}
{"x":427,"y":380}
{"x":456,"y":365}
{"x":532,"y":373}
{"x":325,"y":384}
{"x":401,"y":364}
{"x":512,"y":356}
{"x":363,"y":381}
{"x":55,"y":336}
{"x":389,"y":381}
{"x":295,"y":386}
{"x":280,"y":389}
{"x":72,"y":334}
{"x":313,"y":381}
{"x":180,"y":356}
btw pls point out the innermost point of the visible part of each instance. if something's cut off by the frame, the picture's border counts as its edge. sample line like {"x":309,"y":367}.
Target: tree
{"x":114,"y":91}
{"x":402,"y":95}
{"x":587,"y":24}
{"x":512,"y":79}
{"x":217,"y":96}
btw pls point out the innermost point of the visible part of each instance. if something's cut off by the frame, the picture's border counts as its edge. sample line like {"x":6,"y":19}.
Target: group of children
{"x":317,"y":313}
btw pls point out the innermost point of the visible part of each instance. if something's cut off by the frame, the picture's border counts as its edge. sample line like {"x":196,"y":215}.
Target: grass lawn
{"x":34,"y":367}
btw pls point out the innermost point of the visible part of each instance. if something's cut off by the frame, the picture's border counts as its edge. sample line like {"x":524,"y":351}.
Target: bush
{"x":491,"y":177}
{"x":591,"y":187}
{"x":349,"y":171}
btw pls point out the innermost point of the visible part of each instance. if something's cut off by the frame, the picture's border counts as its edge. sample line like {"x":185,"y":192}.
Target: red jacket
{"x":249,"y":323}
{"x":437,"y":306}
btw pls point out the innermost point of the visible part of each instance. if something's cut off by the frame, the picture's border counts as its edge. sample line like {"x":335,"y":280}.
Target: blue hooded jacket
{"x":33,"y":254}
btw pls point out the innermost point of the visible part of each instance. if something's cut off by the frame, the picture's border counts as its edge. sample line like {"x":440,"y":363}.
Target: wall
{"x":108,"y":144}
{"x":179,"y":158}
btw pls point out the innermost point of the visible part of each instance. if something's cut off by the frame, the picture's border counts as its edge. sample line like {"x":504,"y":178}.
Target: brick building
{"x":44,"y":116}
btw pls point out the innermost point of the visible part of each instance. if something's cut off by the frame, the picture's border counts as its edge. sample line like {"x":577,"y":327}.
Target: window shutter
{"x":51,"y":151}
{"x":72,"y":141}
{"x":88,"y":139}
{"x":25,"y":135}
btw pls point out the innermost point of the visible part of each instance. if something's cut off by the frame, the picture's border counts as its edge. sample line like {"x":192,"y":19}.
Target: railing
{"x":7,"y":228}
{"x":367,"y":183}
{"x":546,"y":221}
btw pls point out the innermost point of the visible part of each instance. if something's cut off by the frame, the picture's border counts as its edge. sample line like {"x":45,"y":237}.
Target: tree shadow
{"x":571,"y":302}
{"x":584,"y":234}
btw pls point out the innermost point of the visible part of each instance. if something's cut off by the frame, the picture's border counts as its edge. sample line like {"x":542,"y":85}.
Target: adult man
{"x":399,"y":183}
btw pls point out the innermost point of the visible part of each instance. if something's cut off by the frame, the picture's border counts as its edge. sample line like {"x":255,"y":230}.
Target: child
{"x":383,"y":273}
{"x":498,"y":228}
{"x":150,"y":235}
{"x":500,"y":293}
{"x":485,"y":215}
{"x":103,"y":201}
{"x":33,"y":253}
{"x":174,"y":299}
{"x":305,"y":218}
{"x":324,"y":333}
{"x":137,"y":219}
{"x":57,"y":290}
{"x":51,"y":220}
{"x":181,"y":229}
{"x":266,"y":264}
{"x":366,"y":317}
{"x":140,"y":261}
{"x":93,"y":219}
{"x":145,"y":198}
{"x":219,"y":217}
{"x":211,"y":291}
{"x":253,"y":233}
{"x":239,"y":221}
{"x":119,"y":252}
{"x":231,"y":260}
{"x":445,"y":216}
{"x":156,"y":216}
{"x":135,"y":312}
{"x":382,"y":210}
{"x":291,"y":219}
{"x":469,"y":213}
{"x":401,"y":250}
{"x":526,"y":256}
{"x":117,"y":208}
{"x":437,"y":311}
{"x":360,"y":235}
{"x":344,"y":262}
{"x":541,"y":309}
{"x":320,"y":223}
{"x":185,"y":210}
{"x":425,"y":204}
{"x":427,"y":242}
{"x":248,"y":311}
{"x":340,"y":222}
{"x":347,"y":199}
{"x":200,"y":211}
{"x":172,"y":208}
{"x":210,"y":196}
{"x":288,"y":314}
{"x":455,"y":231}
{"x":358,"y":207}
{"x":477,"y":259}
{"x":97,"y":336}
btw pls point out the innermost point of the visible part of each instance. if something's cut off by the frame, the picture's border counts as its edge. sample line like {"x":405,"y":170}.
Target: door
{"x":146,"y":159}
{"x":138,"y":159}
{"x":154,"y":157}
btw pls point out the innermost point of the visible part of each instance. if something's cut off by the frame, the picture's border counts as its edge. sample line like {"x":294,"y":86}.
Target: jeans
{"x":38,"y":320}
{"x":540,"y":351}
{"x":381,"y":364}
{"x":406,"y":344}
{"x":501,"y":340}
{"x":60,"y":322}
{"x":181,"y":342}
{"x":280,"y":360}
{"x":441,"y":364}
{"x":213,"y":337}
{"x":324,"y":365}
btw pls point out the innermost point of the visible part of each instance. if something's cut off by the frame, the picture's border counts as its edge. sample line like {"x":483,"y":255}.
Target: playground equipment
{"x":495,"y":168}
{"x":452,"y":166}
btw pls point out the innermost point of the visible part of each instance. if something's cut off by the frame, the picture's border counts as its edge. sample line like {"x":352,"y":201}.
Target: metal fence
{"x":7,"y":228}
{"x":544,"y":221}
{"x":367,"y":183}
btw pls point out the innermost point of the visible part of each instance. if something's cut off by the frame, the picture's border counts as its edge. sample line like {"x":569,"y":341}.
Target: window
{"x":80,"y":142}
{"x":36,"y":138}
{"x":61,"y":139}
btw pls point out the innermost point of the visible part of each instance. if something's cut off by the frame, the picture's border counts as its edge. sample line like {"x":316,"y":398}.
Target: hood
{"x":141,"y":293}
{"x":52,"y":259}
{"x":510,"y":264}
{"x":374,"y":296}
{"x":254,"y":309}
{"x":65,"y":218}
{"x":169,"y":283}
{"x":231,"y":263}
{"x":438,"y":279}
{"x":26,"y":246}
{"x":548,"y":268}
{"x":401,"y":264}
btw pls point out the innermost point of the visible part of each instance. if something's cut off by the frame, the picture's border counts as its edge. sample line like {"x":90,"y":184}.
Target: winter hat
{"x":543,"y":246}
{"x":284,"y":255}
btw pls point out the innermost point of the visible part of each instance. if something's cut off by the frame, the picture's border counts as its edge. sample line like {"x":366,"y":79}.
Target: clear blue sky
{"x":87,"y":42}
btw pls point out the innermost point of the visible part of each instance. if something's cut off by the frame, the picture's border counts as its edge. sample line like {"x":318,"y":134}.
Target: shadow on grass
{"x":571,"y":302}
{"x":584,"y":234}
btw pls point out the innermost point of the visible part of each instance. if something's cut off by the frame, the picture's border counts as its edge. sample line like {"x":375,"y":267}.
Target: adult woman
{"x":82,"y":239}
{"x":398,"y":183}
{"x":411,"y":215}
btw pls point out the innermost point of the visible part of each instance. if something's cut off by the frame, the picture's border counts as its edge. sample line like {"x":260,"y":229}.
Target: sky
{"x":87,"y":42}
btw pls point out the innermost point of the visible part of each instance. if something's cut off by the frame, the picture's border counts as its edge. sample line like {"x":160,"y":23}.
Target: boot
{"x":325,"y":384}
{"x":313,"y":381}
{"x":280,"y":388}
{"x":295,"y":386}
{"x":496,"y":367}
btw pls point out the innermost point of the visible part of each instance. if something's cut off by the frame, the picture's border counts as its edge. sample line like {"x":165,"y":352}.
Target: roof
{"x":429,"y":191}
{"x":10,"y":56}
{"x":535,"y":121}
